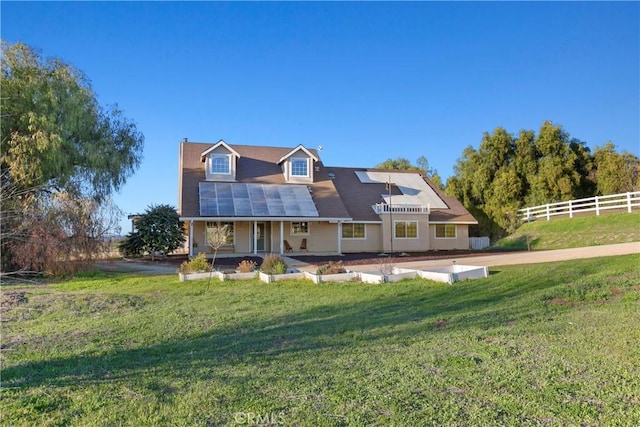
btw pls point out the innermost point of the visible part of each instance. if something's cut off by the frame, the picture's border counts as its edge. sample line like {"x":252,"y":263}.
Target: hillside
{"x":560,"y":233}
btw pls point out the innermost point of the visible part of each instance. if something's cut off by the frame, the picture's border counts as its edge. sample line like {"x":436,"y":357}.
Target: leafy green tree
{"x":55,"y":133}
{"x":132,"y":245}
{"x":160,"y":229}
{"x":615,"y":172}
{"x":402,"y":163}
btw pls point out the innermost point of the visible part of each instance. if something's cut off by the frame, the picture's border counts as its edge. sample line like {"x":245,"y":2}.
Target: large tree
{"x":402,"y":163}
{"x":615,"y":172}
{"x":160,"y":229}
{"x":55,"y":133}
{"x":61,"y":155}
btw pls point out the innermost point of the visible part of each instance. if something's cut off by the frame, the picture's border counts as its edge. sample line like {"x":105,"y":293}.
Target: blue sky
{"x":367,"y":81}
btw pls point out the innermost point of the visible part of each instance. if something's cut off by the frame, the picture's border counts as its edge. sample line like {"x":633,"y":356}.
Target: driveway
{"x":489,"y":260}
{"x":516,"y":258}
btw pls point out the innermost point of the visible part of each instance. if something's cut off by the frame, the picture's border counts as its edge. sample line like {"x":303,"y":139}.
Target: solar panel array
{"x":255,"y":200}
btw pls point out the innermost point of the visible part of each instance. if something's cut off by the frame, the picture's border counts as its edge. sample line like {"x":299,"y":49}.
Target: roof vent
{"x":332,"y":175}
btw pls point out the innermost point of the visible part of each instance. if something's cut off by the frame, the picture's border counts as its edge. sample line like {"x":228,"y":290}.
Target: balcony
{"x":383,"y":208}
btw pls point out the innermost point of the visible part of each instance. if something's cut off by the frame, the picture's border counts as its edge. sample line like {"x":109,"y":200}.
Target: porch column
{"x":281,"y":237}
{"x":255,"y":237}
{"x":190,"y":239}
{"x":339,"y":237}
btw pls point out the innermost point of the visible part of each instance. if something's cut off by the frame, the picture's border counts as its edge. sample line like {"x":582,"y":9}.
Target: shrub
{"x":273,"y":264}
{"x":247,"y":266}
{"x":199,"y":264}
{"x":333,"y":267}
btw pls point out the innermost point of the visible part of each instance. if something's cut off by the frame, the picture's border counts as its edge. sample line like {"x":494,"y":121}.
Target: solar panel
{"x":263,"y":200}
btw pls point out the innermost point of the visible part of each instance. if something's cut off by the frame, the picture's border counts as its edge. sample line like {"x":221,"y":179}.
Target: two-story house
{"x":281,"y":200}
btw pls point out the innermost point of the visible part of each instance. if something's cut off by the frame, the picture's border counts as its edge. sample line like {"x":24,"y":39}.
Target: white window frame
{"x":296,"y":231}
{"x":293,"y":169}
{"x":214,"y":224}
{"x":353,"y":234}
{"x":455,"y":231}
{"x":395,"y":223}
{"x":226,"y":157}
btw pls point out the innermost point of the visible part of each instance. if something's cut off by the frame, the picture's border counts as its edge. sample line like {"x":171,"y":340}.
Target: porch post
{"x":339,"y":237}
{"x":255,"y":237}
{"x":281,"y":237}
{"x":190,"y":239}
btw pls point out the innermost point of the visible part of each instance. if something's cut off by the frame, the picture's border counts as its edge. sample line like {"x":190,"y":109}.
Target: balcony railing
{"x":383,"y":208}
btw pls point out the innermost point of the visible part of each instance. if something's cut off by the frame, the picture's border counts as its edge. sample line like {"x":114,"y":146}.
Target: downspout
{"x":190,"y":239}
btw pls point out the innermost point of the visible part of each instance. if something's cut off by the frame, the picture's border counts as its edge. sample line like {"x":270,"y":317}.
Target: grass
{"x":547,"y":344}
{"x":560,"y":233}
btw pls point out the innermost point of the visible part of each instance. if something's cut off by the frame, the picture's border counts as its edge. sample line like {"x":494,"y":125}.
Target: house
{"x":279,"y":200}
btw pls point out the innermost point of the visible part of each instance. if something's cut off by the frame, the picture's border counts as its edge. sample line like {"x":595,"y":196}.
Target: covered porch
{"x":256,"y":236}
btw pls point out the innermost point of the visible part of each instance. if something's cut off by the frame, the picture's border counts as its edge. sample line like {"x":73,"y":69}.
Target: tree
{"x":402,"y":163}
{"x":217,"y":236}
{"x":160,"y":229}
{"x":615,"y":172}
{"x":55,"y":133}
{"x":60,"y":154}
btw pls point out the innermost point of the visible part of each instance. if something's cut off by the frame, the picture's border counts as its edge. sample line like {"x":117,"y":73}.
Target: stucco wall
{"x":460,"y":242}
{"x":372,"y":243}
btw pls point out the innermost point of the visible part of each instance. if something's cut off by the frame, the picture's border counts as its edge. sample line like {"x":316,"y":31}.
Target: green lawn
{"x":560,"y":233}
{"x":548,"y":344}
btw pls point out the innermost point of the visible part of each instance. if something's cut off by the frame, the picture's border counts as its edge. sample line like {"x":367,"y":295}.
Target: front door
{"x":260,"y":238}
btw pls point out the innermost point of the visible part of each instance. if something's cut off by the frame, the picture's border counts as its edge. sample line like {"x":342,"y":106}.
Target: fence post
{"x":629,"y":202}
{"x":570,"y":208}
{"x":597,"y":207}
{"x":548,"y":215}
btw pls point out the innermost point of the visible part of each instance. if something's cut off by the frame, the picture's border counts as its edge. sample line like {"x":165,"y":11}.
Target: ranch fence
{"x":598,"y":204}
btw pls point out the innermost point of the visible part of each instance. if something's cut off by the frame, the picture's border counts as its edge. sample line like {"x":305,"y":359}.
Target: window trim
{"x":292,"y":231}
{"x":395,"y":236}
{"x":306,"y":162}
{"x":444,"y":237}
{"x":227,"y":157}
{"x":353,"y":234}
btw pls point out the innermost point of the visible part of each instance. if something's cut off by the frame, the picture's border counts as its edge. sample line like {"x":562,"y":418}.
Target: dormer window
{"x":300,"y":167}
{"x":220,"y":164}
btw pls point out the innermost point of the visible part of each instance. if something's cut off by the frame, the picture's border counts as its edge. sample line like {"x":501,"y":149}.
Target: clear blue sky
{"x":367,"y":81}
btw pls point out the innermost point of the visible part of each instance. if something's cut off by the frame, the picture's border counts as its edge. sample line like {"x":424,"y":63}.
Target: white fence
{"x":478,"y":243}
{"x":621,"y":202}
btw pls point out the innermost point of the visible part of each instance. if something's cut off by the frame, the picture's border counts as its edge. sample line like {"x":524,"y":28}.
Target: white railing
{"x":623,"y":201}
{"x":383,"y":208}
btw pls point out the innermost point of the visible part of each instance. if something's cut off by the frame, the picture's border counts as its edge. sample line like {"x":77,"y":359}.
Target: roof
{"x":295,"y":150}
{"x":257,"y":165}
{"x":216,"y":145}
{"x":338,"y":192}
{"x":359,"y":197}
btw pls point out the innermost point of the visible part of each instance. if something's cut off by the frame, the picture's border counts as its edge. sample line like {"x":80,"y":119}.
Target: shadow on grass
{"x":408,"y":315}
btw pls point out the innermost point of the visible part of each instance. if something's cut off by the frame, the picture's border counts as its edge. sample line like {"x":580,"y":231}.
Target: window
{"x":220,"y":164}
{"x":299,"y":228}
{"x":406,"y":230}
{"x":214,"y":229}
{"x":445,"y":231}
{"x":353,"y":231}
{"x":299,"y":167}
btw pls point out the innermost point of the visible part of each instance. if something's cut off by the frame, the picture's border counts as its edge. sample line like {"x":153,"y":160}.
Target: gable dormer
{"x":297,"y":165}
{"x":220,"y":162}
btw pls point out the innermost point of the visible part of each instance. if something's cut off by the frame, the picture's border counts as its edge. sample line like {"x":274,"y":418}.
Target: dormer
{"x":220,"y":162}
{"x":297,"y":165}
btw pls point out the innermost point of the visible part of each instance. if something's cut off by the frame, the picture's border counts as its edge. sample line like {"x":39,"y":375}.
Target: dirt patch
{"x":11,"y":299}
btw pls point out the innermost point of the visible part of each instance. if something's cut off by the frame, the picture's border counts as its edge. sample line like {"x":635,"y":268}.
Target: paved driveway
{"x":516,"y":258}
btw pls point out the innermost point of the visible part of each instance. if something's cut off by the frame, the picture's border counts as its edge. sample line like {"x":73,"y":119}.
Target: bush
{"x":247,"y":266}
{"x":334,"y":267}
{"x":273,"y":264}
{"x":199,"y":264}
{"x":131,"y":246}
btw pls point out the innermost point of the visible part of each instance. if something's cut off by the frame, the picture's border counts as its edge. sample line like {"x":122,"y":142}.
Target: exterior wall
{"x":322,"y":237}
{"x":422,"y":243}
{"x":461,"y":242}
{"x":372,"y":243}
